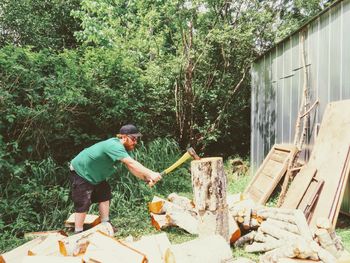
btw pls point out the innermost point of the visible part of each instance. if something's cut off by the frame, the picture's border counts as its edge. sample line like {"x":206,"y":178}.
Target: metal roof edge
{"x":300,"y":28}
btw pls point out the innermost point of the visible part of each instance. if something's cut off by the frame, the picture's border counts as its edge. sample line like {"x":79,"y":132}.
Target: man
{"x":91,"y":167}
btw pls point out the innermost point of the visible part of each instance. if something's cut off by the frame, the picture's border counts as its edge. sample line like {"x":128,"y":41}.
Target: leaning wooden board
{"x":328,"y":158}
{"x":270,"y":173}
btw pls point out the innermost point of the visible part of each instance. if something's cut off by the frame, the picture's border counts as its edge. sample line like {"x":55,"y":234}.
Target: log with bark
{"x":263,"y":247}
{"x":264,"y":238}
{"x":234,"y":230}
{"x":326,"y":241}
{"x":276,"y":231}
{"x":210,"y":189}
{"x":283,"y":225}
{"x":299,"y":248}
{"x":245,"y":239}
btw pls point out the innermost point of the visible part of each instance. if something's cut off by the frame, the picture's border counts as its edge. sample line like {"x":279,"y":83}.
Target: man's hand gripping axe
{"x":190,"y":153}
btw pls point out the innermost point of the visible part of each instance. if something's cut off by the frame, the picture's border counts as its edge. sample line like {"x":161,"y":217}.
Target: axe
{"x":190,"y":153}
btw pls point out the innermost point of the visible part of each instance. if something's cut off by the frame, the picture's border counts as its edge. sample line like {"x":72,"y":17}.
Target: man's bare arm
{"x":140,"y":171}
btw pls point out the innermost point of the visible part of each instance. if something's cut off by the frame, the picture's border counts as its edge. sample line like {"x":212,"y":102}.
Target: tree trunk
{"x":209,"y":188}
{"x":184,"y":93}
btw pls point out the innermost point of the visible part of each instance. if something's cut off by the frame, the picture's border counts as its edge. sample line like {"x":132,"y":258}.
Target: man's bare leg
{"x":103,"y":208}
{"x":79,"y":221}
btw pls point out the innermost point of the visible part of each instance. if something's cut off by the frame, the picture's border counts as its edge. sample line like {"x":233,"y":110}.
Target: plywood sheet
{"x":270,"y":173}
{"x":329,"y":156}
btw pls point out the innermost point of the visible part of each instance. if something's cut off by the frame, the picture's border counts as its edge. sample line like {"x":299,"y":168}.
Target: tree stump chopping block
{"x":209,"y":184}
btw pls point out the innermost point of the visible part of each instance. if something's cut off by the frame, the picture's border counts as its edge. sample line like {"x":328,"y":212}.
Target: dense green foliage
{"x":73,"y":71}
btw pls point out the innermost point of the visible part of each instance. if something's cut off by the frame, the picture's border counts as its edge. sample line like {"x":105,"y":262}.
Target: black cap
{"x":130,"y":129}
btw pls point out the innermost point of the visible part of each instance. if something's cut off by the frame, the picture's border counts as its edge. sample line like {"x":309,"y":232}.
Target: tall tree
{"x":195,"y":55}
{"x":41,"y":24}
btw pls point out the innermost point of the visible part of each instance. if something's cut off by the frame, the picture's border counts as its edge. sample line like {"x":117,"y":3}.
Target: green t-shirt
{"x":96,"y":163}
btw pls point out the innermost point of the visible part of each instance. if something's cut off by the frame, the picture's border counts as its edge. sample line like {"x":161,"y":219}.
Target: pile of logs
{"x":175,"y":211}
{"x":181,"y":212}
{"x":285,"y":236}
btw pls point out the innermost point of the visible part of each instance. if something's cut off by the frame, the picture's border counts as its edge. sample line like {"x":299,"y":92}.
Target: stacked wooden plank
{"x":318,"y":189}
{"x":270,"y":172}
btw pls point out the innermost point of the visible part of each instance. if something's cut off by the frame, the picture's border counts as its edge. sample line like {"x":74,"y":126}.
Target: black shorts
{"x":84,"y":193}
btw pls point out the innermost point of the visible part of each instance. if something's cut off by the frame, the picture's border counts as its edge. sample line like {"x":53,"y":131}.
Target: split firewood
{"x":276,"y":254}
{"x":276,"y":210}
{"x":283,"y":225}
{"x":44,"y":233}
{"x":159,"y":221}
{"x":234,"y":231}
{"x":242,"y":260}
{"x":298,"y":248}
{"x":282,"y":217}
{"x":48,"y":247}
{"x":323,"y":254}
{"x":158,"y":205}
{"x":295,"y":260}
{"x":51,"y":259}
{"x":337,"y":241}
{"x":239,"y":208}
{"x":276,"y":231}
{"x":264,"y":238}
{"x":104,"y":248}
{"x":245,"y":239}
{"x":254,"y":223}
{"x":239,"y":219}
{"x":90,"y":221}
{"x":326,"y":241}
{"x":154,"y":247}
{"x":324,"y":222}
{"x":247,"y":217}
{"x":213,"y":249}
{"x":18,"y":253}
{"x":344,"y":257}
{"x":301,"y":222}
{"x":263,"y":247}
{"x":76,"y":244}
{"x":184,"y":220}
{"x":181,"y":201}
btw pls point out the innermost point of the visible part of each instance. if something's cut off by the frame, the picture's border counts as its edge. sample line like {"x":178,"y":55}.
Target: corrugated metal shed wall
{"x":277,"y":81}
